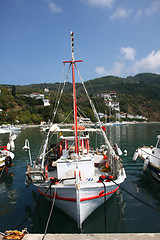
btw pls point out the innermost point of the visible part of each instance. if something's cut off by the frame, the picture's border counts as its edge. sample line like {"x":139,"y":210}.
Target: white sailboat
{"x":77,"y":177}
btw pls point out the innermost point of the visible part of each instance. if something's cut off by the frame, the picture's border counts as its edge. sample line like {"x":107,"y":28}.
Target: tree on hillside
{"x":14,"y":90}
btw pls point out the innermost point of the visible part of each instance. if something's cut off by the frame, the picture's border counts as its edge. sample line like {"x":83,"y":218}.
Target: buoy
{"x":12,"y":145}
{"x":8,"y":161}
{"x":135,"y":156}
{"x":8,"y":146}
{"x":145,"y":165}
{"x":125,"y":152}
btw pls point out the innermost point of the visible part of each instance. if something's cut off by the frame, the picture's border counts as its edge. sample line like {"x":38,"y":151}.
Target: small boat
{"x":4,"y":130}
{"x":7,"y":156}
{"x":71,"y":172}
{"x":151,"y":158}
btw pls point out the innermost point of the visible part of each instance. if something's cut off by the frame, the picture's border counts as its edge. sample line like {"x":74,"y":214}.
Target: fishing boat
{"x":68,"y":170}
{"x":6,"y":154}
{"x":151,"y":158}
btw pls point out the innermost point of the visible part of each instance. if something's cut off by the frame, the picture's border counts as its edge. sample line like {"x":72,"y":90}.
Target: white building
{"x":36,"y":95}
{"x":46,"y":90}
{"x":46,"y":102}
{"x":113,"y":105}
{"x":108,"y":96}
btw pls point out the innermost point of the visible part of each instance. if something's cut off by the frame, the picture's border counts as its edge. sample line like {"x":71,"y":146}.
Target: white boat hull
{"x":79,"y":203}
{"x":151,"y":160}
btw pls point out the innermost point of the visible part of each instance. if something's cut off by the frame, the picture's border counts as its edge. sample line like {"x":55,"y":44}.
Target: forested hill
{"x":123,"y":85}
{"x":104,"y":84}
{"x":137,"y":95}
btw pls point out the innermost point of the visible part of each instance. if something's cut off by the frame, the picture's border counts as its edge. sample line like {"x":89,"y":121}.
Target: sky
{"x":112,"y":37}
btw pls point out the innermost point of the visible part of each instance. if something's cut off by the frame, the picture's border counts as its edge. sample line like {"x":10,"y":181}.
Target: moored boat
{"x":69,"y":170}
{"x":151,"y":158}
{"x":6,"y":154}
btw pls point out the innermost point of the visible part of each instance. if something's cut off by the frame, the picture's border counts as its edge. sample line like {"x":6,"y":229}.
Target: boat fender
{"x":125,"y":152}
{"x":8,"y":146}
{"x":60,"y":150}
{"x":119,"y":151}
{"x":145,"y":165}
{"x":12,"y":145}
{"x":135,"y":156}
{"x":28,"y":181}
{"x":8,"y":161}
{"x":46,"y":172}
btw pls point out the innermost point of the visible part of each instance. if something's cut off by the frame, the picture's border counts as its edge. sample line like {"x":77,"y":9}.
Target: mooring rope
{"x":147,"y":204}
{"x":104,"y":206}
{"x":101,"y":179}
{"x":50,"y":214}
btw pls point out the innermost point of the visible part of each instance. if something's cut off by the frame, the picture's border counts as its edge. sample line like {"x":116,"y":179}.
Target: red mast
{"x":72,"y":62}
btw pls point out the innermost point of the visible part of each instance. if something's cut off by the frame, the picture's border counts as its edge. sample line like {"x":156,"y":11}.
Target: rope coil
{"x":14,"y":234}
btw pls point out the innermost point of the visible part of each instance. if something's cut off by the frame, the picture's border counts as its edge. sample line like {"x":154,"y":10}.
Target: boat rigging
{"x":70,"y":168}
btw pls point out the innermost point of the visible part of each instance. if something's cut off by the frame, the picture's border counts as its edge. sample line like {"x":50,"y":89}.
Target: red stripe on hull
{"x":82,"y":199}
{"x":98,"y":196}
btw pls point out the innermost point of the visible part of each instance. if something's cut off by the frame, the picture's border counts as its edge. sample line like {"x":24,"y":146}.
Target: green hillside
{"x":137,"y":95}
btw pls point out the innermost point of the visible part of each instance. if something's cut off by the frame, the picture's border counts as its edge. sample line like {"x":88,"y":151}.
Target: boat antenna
{"x":72,"y":62}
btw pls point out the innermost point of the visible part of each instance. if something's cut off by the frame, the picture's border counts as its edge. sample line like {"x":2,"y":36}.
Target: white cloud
{"x":116,"y":70}
{"x":155,"y":6}
{"x":100,"y":3}
{"x":149,"y":64}
{"x":121,"y":13}
{"x":128,"y":53}
{"x":101,"y":71}
{"x":53,"y":7}
{"x":138,"y":15}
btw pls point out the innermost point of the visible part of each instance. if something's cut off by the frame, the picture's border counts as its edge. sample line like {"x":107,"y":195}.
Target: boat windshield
{"x":158,"y":144}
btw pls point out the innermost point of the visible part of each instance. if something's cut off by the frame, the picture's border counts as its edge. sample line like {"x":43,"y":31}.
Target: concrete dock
{"x":121,"y":236}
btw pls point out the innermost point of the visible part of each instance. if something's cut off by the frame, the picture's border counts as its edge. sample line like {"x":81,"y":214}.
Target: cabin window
{"x":63,"y":144}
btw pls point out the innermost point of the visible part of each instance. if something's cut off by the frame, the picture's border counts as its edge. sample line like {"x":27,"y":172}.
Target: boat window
{"x":158,"y":144}
{"x":70,"y":143}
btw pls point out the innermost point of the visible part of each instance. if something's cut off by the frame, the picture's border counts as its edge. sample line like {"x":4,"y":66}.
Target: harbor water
{"x":22,"y":207}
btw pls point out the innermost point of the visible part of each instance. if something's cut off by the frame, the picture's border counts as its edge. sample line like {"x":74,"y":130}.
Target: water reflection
{"x":7,"y":195}
{"x":149,"y":187}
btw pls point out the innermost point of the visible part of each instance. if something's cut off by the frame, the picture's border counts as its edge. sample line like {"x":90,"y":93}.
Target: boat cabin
{"x":67,"y":145}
